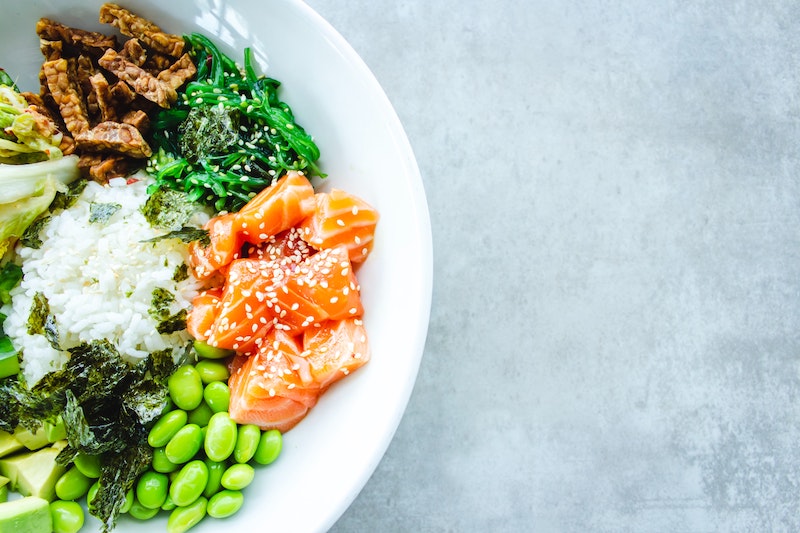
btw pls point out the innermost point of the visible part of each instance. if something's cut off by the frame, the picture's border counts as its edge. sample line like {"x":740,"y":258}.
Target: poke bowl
{"x":328,"y":456}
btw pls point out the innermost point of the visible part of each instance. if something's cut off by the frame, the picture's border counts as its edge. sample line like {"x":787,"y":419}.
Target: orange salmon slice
{"x":341,"y":218}
{"x":335,"y":349}
{"x":273,"y":388}
{"x":275,"y":209}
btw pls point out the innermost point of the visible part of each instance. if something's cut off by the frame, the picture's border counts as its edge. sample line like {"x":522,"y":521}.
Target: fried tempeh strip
{"x":103,"y":167}
{"x":102,"y":92}
{"x":140,"y":80}
{"x":133,"y":51}
{"x":133,"y":25}
{"x":51,"y":49}
{"x":91,"y":41}
{"x":179,"y":72}
{"x":138,"y":119}
{"x":116,"y":137}
{"x":62,"y":87}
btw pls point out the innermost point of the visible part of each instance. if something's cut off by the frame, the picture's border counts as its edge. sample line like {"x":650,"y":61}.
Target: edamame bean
{"x":189,"y":484}
{"x":185,"y":444}
{"x":140,"y":512}
{"x":168,"y":504}
{"x":128,"y":503}
{"x":92,"y":493}
{"x":238,"y":476}
{"x":185,"y":387}
{"x":184,"y":518}
{"x":72,"y":484}
{"x":201,"y":415}
{"x":220,"y":437}
{"x":225,"y":503}
{"x":215,"y":471}
{"x":89,"y":465}
{"x":67,"y":516}
{"x":217,"y":396}
{"x":206,"y":351}
{"x":160,"y":462}
{"x":246,"y":443}
{"x":151,"y":489}
{"x":212,"y":371}
{"x":166,"y":427}
{"x":269,"y":447}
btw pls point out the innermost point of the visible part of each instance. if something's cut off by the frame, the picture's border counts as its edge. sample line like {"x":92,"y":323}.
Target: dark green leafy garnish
{"x":65,"y":200}
{"x":41,"y":321}
{"x":101,"y":213}
{"x":168,"y":209}
{"x":5,"y":79}
{"x":186,"y":234}
{"x":159,"y":305}
{"x":229,"y":135}
{"x":174,"y":323}
{"x":108,"y":407}
{"x":10,"y":276}
{"x":181,"y":273}
{"x":31,"y":236}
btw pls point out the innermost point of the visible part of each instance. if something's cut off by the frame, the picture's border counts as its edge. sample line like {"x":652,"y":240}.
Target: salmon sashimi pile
{"x":284,"y":297}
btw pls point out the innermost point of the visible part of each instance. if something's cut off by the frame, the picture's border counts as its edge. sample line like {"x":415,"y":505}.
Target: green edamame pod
{"x":151,"y":489}
{"x":220,"y":438}
{"x":89,"y":465}
{"x":128,"y":503}
{"x":181,"y":519}
{"x":92,"y":492}
{"x":161,"y":463}
{"x":238,"y":476}
{"x":67,"y":516}
{"x":168,"y":504}
{"x":72,"y":485}
{"x":185,"y":444}
{"x":212,"y":371}
{"x":206,"y":351}
{"x":189,"y":484}
{"x":185,"y":387}
{"x":247,"y":440}
{"x":140,"y":512}
{"x":218,"y":396}
{"x":225,"y":503}
{"x":269,"y":447}
{"x":215,"y":471}
{"x":166,"y":427}
{"x":201,"y":415}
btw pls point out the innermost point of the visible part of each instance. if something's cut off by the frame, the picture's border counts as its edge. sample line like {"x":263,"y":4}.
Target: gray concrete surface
{"x":614,"y":195}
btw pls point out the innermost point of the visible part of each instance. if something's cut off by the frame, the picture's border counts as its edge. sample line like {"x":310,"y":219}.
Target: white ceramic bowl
{"x":328,"y":458}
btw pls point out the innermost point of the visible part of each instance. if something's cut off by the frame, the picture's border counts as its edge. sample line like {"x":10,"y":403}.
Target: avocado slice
{"x":26,"y":515}
{"x":33,"y":473}
{"x":32,"y":440}
{"x":4,"y":483}
{"x":8,"y":444}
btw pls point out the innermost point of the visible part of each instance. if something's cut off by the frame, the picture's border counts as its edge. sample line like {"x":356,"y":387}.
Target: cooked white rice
{"x":99,"y":280}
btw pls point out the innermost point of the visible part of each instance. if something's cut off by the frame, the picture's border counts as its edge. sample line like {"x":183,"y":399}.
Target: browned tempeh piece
{"x":114,"y":137}
{"x":135,"y":26}
{"x":141,"y":81}
{"x":122,"y":93}
{"x":157,"y":62}
{"x":63,"y":89}
{"x":132,"y":51}
{"x":138,"y":119}
{"x":91,"y":41}
{"x":102,"y":92}
{"x":103,"y":167}
{"x":51,"y":49}
{"x":179,"y":72}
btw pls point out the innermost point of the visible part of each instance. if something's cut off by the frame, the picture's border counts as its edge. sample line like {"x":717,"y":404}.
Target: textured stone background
{"x":614,"y":194}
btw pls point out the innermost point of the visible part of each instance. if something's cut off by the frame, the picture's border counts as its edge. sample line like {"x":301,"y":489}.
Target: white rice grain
{"x":99,"y":280}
